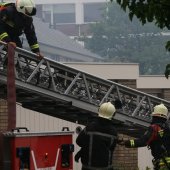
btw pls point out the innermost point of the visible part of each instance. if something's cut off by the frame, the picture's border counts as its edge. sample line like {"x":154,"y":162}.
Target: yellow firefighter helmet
{"x":107,"y":110}
{"x":27,"y":7}
{"x":160,"y":111}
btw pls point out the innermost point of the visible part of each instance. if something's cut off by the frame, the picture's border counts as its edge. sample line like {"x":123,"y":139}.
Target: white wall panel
{"x":144,"y":158}
{"x":153,"y":82}
{"x":108,"y":70}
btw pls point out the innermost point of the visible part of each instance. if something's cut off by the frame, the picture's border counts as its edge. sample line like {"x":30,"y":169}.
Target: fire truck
{"x":55,"y":89}
{"x":24,"y":150}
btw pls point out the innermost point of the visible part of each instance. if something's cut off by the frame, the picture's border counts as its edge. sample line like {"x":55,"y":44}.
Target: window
{"x":64,"y":13}
{"x":59,"y":13}
{"x":93,"y":12}
{"x":46,"y":13}
{"x":47,"y":16}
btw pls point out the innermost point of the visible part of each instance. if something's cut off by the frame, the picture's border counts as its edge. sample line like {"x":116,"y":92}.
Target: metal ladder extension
{"x":64,"y":85}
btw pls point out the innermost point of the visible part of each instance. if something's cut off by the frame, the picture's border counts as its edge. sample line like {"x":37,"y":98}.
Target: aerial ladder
{"x":58,"y":90}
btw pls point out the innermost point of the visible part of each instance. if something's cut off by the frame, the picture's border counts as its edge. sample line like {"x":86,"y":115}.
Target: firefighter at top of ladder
{"x":15,"y":19}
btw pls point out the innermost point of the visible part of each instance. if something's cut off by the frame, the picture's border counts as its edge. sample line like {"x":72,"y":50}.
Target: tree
{"x":156,"y":11}
{"x":118,"y":39}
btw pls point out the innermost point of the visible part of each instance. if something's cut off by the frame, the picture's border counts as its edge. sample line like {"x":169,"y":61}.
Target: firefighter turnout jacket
{"x":97,"y":141}
{"x":157,"y":138}
{"x":13,"y":24}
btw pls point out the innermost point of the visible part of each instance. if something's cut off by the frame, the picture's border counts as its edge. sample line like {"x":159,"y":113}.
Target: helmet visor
{"x":30,"y":13}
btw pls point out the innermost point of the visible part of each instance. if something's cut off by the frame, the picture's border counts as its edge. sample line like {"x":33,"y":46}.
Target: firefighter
{"x":16,"y":19}
{"x":157,"y":138}
{"x":98,"y":140}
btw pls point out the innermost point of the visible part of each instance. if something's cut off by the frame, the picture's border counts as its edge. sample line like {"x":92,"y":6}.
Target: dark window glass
{"x":64,"y":18}
{"x":64,"y":13}
{"x":93,"y":12}
{"x":47,"y":16}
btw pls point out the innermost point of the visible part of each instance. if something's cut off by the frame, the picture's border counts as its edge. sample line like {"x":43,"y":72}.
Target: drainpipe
{"x":11,"y":89}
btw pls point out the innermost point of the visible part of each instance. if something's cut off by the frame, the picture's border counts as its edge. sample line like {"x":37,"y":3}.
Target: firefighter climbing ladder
{"x":56,"y":89}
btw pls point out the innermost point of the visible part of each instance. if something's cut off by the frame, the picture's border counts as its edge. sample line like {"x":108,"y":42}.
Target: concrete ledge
{"x":108,"y":70}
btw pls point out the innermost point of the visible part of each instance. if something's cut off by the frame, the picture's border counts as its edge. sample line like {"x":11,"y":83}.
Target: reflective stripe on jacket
{"x":162,"y":162}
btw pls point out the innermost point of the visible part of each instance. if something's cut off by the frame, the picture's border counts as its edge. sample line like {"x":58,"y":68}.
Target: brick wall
{"x":3,"y":126}
{"x":3,"y":115}
{"x":166,"y":94}
{"x":125,"y":158}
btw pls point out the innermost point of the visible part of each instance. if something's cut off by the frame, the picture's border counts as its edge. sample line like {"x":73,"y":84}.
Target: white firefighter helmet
{"x":27,"y":7}
{"x":160,"y":111}
{"x":107,"y":110}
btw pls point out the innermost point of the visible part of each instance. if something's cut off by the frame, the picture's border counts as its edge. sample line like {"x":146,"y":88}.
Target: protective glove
{"x":39,"y":55}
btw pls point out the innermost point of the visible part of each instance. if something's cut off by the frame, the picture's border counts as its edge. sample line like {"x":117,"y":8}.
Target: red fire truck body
{"x":38,"y":151}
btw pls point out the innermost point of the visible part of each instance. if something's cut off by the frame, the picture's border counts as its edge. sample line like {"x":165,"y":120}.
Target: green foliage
{"x":156,"y":11}
{"x":117,"y":39}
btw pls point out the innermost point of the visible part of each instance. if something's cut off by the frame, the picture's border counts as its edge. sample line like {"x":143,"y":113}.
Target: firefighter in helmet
{"x":157,"y":138}
{"x":98,"y":140}
{"x":15,"y":19}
